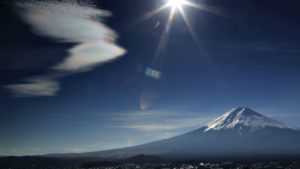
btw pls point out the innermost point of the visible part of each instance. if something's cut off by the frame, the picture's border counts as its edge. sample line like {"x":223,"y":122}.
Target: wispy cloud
{"x":160,"y":121}
{"x":74,"y":22}
{"x":168,"y":125}
{"x":39,"y":86}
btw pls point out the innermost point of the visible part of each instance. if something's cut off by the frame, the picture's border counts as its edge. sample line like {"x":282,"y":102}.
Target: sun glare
{"x":154,"y":69}
{"x":176,"y":4}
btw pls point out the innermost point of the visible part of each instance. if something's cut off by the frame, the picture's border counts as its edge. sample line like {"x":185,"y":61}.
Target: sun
{"x":176,"y":4}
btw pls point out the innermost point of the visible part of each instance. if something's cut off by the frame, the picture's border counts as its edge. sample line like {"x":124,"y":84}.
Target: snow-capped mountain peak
{"x":239,"y":133}
{"x":241,"y":117}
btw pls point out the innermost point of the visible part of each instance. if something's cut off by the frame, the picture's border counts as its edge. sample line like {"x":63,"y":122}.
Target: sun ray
{"x":188,"y":25}
{"x":154,"y":70}
{"x":206,"y":8}
{"x":166,"y":32}
{"x":154,"y":12}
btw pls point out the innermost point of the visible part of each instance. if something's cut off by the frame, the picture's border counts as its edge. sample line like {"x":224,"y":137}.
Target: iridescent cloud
{"x":74,"y":22}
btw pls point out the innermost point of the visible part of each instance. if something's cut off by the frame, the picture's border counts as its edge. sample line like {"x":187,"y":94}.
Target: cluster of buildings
{"x":223,"y":165}
{"x":186,"y":165}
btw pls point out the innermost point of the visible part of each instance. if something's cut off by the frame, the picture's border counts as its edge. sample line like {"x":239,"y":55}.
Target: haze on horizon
{"x":96,"y":75}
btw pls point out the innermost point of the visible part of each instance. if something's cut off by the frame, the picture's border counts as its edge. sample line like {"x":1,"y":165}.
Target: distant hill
{"x":239,"y":133}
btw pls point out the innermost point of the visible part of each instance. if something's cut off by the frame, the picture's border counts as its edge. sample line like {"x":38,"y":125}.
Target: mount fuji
{"x":240,"y":132}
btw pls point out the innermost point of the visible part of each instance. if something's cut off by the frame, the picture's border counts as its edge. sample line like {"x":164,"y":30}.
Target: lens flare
{"x":151,"y":92}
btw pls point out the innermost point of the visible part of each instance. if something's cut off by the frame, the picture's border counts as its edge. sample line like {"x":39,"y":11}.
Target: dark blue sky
{"x":248,"y":55}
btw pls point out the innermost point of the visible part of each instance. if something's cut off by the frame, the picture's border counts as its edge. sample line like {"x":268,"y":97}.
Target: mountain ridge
{"x":239,"y":132}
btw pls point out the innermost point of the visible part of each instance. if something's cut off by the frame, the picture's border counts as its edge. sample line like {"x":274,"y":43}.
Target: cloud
{"x":160,"y":121}
{"x":86,"y":56}
{"x":72,"y":22}
{"x":167,"y":125}
{"x":41,"y":86}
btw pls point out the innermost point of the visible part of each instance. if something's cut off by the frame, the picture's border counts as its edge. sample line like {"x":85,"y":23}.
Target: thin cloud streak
{"x":167,"y":125}
{"x":160,"y":121}
{"x":68,"y":22}
{"x":40,"y":86}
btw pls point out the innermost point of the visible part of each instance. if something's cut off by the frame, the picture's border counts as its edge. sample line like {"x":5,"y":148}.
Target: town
{"x":201,"y":165}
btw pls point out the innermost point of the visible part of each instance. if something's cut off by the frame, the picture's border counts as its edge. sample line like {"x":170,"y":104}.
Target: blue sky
{"x":246,"y":56}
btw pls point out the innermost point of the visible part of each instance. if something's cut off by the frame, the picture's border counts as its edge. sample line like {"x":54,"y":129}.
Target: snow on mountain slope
{"x":241,"y":117}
